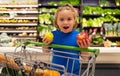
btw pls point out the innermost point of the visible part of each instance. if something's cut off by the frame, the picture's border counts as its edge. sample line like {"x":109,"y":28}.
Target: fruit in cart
{"x":27,"y":68}
{"x":51,"y":73}
{"x":39,"y":72}
{"x":81,"y":36}
{"x":11,"y":65}
{"x":48,"y":35}
{"x":8,"y":61}
{"x":2,"y":58}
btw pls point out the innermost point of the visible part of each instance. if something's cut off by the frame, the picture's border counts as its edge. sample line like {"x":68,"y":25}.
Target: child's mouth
{"x":66,"y":27}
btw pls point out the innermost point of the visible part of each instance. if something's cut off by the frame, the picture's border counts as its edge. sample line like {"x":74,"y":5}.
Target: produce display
{"x":5,"y":40}
{"x":112,"y":29}
{"x":118,"y":43}
{"x":45,"y":18}
{"x":61,"y":2}
{"x":99,"y":10}
{"x":117,"y":2}
{"x":4,"y":21}
{"x":97,"y":39}
{"x":107,"y":43}
{"x":107,"y":3}
{"x":18,"y":2}
{"x":18,"y":18}
{"x":107,"y":15}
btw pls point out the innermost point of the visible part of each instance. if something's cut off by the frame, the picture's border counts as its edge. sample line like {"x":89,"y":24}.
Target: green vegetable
{"x":97,"y":39}
{"x":62,"y":2}
{"x":11,"y":72}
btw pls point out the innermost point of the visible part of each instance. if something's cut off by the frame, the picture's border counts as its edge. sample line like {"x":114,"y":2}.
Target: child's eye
{"x":69,"y":19}
{"x":61,"y":19}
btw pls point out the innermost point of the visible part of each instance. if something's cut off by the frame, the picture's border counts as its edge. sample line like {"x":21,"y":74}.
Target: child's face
{"x":66,"y":21}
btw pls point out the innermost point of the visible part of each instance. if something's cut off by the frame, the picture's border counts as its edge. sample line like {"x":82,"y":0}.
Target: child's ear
{"x":55,"y":24}
{"x":75,"y":24}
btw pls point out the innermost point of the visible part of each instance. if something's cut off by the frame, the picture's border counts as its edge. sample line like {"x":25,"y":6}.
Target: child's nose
{"x":65,"y":22}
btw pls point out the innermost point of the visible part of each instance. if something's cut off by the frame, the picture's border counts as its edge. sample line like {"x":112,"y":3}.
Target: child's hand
{"x":83,"y":40}
{"x":47,"y":38}
{"x":85,"y":43}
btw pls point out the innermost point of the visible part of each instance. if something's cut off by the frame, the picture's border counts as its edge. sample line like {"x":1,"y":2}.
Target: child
{"x":65,"y":21}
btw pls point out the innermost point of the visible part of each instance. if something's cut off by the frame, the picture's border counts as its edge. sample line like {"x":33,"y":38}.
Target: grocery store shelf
{"x":19,"y":19}
{"x":27,"y":5}
{"x":21,"y":11}
{"x":18,"y":24}
{"x":25,"y":17}
{"x":25,"y":37}
{"x":19,"y":31}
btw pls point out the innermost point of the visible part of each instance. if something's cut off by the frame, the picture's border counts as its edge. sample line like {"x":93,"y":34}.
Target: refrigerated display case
{"x":102,"y":13}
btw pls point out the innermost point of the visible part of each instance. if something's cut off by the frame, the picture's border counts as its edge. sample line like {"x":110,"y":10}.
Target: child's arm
{"x":85,"y":43}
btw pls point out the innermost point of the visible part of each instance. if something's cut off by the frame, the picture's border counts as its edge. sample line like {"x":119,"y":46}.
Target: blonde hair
{"x":65,"y":7}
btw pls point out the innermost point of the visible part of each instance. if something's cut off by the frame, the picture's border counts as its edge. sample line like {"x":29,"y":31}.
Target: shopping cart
{"x":33,"y":61}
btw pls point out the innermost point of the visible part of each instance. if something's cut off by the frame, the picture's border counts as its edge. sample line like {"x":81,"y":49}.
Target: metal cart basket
{"x":36,"y":61}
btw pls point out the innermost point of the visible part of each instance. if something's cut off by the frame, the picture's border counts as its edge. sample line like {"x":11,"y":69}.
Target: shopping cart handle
{"x":95,"y":51}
